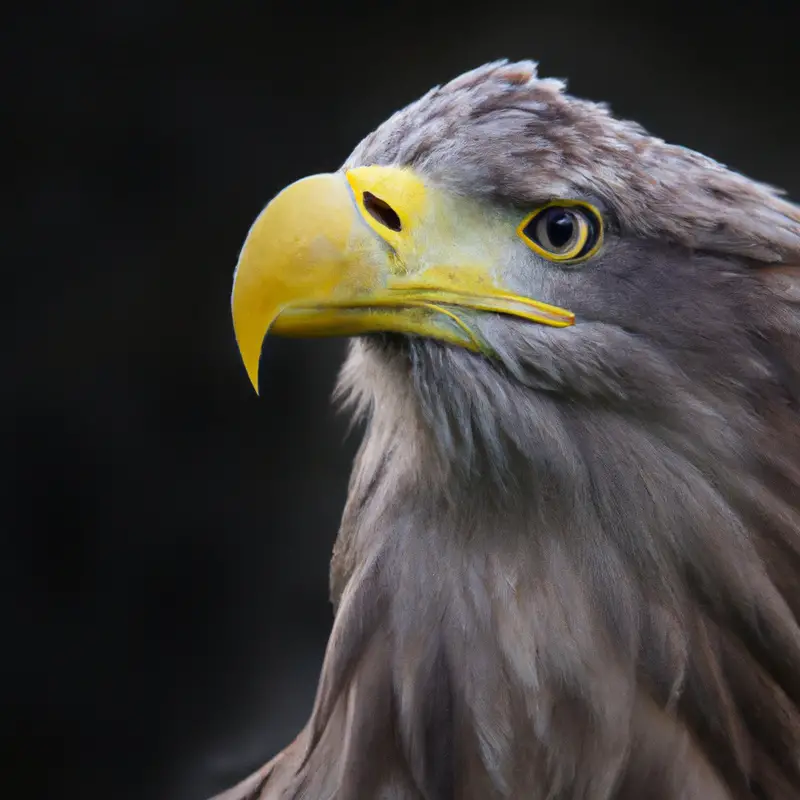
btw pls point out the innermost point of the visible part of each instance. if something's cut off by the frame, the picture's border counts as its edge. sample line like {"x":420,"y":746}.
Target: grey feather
{"x":573,"y":571}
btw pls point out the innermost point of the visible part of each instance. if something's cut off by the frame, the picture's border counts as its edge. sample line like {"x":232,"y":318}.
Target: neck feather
{"x":560,"y":598}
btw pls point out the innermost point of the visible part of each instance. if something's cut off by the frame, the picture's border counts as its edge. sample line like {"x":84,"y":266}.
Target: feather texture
{"x":574,"y":572}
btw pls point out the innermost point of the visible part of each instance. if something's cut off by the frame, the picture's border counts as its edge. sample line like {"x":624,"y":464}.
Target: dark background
{"x":165,"y":532}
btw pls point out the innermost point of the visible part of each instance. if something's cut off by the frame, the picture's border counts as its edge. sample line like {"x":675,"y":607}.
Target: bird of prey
{"x":569,"y":562}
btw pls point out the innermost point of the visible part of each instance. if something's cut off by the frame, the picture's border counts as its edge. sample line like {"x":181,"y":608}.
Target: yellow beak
{"x":371,"y":250}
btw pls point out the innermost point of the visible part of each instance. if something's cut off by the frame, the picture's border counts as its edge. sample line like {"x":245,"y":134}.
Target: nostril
{"x":382,"y":212}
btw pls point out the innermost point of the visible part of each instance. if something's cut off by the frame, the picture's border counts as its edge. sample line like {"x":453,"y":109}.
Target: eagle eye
{"x":563,"y":231}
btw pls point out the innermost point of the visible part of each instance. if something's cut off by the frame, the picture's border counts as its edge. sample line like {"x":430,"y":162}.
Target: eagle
{"x":568,"y":566}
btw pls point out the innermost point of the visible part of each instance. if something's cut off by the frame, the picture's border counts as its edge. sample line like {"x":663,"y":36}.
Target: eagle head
{"x":569,"y":563}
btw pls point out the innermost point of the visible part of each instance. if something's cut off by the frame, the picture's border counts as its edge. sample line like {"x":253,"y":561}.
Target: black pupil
{"x":560,"y":227}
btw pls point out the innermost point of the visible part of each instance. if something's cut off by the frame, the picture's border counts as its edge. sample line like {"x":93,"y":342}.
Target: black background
{"x":165,"y":532}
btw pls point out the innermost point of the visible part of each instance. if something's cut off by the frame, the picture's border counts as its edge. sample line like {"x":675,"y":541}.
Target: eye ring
{"x":563,"y":231}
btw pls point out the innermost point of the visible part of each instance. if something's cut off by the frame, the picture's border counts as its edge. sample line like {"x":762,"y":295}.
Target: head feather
{"x":502,"y":131}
